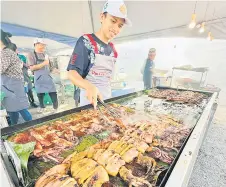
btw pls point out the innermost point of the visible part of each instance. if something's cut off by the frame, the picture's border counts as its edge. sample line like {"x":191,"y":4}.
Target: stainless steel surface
{"x":3,"y":120}
{"x":15,"y":159}
{"x":184,"y":166}
{"x":5,"y":178}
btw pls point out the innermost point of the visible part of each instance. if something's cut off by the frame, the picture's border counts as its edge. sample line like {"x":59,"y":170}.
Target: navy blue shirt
{"x":83,"y":55}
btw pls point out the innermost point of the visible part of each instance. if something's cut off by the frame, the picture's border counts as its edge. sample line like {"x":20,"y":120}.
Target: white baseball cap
{"x":39,"y":40}
{"x":117,"y":9}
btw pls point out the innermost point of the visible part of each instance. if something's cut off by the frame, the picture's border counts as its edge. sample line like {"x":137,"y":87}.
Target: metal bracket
{"x":14,"y":159}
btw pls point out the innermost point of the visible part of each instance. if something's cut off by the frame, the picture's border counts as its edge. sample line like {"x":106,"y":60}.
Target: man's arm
{"x":77,"y":67}
{"x":39,"y":66}
{"x":34,"y":66}
{"x":92,"y":92}
{"x":77,"y":80}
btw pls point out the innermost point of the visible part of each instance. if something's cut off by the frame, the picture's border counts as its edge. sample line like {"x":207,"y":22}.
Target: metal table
{"x":203,"y":71}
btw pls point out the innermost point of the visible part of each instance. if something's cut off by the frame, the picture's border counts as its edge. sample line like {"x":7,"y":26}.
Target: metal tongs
{"x":115,"y":114}
{"x":110,"y":110}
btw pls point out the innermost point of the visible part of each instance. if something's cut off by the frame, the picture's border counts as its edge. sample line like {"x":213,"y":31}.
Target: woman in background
{"x":12,"y":82}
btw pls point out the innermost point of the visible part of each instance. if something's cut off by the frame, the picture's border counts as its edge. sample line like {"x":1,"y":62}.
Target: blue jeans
{"x":14,"y":116}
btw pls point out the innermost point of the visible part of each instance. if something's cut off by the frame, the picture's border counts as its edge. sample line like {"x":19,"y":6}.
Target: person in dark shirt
{"x":147,"y":69}
{"x":26,"y":76}
{"x":40,"y":65}
{"x":92,"y":63}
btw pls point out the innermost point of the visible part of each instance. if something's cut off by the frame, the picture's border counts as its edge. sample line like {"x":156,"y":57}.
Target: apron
{"x":15,"y":98}
{"x":42,"y":80}
{"x":100,"y":74}
{"x":147,"y":76}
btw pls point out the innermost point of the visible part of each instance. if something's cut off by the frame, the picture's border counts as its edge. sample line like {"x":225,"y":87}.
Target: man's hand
{"x":46,"y":62}
{"x":92,"y":93}
{"x":39,"y":66}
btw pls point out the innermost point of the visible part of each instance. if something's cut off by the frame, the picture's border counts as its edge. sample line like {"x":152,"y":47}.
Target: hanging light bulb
{"x":202,"y":28}
{"x":210,"y":37}
{"x":193,"y":21}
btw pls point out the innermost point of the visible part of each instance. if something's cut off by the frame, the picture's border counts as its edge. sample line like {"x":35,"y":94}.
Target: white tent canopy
{"x":26,"y":44}
{"x":150,"y":18}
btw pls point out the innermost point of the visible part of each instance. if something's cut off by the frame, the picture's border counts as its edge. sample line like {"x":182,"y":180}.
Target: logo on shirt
{"x":73,"y":58}
{"x":99,"y":73}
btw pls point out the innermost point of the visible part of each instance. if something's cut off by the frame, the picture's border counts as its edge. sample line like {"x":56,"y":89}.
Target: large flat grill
{"x":135,"y":100}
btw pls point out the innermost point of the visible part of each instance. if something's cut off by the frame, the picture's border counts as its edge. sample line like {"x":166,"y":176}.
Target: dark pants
{"x":53,"y":96}
{"x":30,"y":96}
{"x":77,"y":96}
{"x":14,"y":116}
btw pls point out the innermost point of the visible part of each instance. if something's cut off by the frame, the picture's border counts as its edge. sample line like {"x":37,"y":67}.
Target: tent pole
{"x":91,"y":14}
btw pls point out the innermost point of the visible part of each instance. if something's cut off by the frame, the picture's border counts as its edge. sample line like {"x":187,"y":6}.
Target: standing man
{"x":148,"y":69}
{"x":26,"y":76}
{"x":93,"y":60}
{"x":39,"y":64}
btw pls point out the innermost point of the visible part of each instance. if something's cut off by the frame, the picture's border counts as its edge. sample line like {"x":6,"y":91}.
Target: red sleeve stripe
{"x":93,"y":42}
{"x":114,"y":50}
